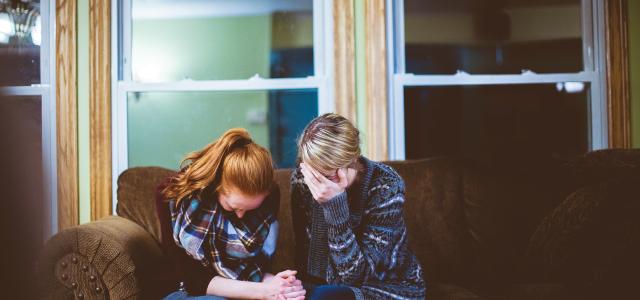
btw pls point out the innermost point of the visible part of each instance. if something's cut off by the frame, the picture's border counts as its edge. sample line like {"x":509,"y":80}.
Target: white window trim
{"x":593,"y":74}
{"x":46,"y":91}
{"x":321,"y":81}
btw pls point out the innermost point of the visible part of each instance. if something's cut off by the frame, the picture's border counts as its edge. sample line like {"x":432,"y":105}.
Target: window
{"x":189,"y":70}
{"x":179,"y":122}
{"x":27,"y":109}
{"x":496,"y":81}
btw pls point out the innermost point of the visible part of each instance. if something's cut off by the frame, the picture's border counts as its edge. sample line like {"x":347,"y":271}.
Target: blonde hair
{"x":329,"y":142}
{"x":233,"y":160}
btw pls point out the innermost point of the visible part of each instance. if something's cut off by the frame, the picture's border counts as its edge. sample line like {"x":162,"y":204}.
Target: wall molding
{"x":344,"y":58}
{"x":376,"y":104}
{"x":66,"y":114}
{"x":100,"y":108}
{"x":617,"y":73}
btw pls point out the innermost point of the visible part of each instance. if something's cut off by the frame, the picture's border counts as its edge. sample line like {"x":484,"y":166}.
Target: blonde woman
{"x":348,"y":219}
{"x":218,"y":220}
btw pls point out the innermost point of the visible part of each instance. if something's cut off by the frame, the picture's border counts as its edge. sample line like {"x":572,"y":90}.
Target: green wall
{"x":163,"y":127}
{"x":361,"y":71}
{"x":83,"y":112}
{"x":634,"y":61}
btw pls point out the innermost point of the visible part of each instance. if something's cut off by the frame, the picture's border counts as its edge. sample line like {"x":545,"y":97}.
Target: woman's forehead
{"x":248,"y":202}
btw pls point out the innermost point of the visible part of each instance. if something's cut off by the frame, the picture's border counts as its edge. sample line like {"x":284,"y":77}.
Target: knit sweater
{"x":358,"y":238}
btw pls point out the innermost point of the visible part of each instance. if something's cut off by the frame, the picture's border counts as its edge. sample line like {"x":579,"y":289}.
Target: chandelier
{"x":22,"y":16}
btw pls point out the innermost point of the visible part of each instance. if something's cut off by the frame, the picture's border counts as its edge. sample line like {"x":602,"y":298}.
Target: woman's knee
{"x":326,"y":292}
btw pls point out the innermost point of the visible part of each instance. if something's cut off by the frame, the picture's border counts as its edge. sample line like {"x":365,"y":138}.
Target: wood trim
{"x":376,"y":104}
{"x":66,"y":114}
{"x":617,"y":53}
{"x":100,"y":107}
{"x":344,"y":59}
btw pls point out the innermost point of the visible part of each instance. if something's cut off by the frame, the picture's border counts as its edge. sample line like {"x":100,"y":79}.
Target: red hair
{"x":232,"y":161}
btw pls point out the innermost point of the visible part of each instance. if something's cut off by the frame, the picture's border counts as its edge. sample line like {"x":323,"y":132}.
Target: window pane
{"x":214,"y":40}
{"x":165,"y":126}
{"x":20,"y":37}
{"x":21,"y":184}
{"x":512,"y":124}
{"x":493,"y":37}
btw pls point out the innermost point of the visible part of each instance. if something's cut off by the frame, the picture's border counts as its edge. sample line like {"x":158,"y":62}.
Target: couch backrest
{"x":434,"y":214}
{"x":284,"y":256}
{"x":136,"y":196}
{"x":463,"y":221}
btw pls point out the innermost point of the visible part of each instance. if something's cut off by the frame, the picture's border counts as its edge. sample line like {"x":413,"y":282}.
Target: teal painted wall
{"x":634,"y":62}
{"x":163,"y":127}
{"x":361,"y":71}
{"x":84,"y":205}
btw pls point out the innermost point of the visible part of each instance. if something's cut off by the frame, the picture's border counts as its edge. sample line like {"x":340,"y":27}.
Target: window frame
{"x":46,"y":90}
{"x":322,"y":79}
{"x":593,"y":73}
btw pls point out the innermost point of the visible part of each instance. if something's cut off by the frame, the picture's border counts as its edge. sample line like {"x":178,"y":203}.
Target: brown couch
{"x":470,"y":227}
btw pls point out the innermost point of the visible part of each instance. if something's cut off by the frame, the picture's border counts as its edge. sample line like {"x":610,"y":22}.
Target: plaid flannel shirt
{"x":236,"y":248}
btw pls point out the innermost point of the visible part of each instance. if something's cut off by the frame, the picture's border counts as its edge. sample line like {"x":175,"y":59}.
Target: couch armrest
{"x":112,"y":258}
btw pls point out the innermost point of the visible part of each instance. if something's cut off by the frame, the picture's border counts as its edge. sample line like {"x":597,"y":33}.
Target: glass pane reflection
{"x":216,"y":40}
{"x":20,"y":38}
{"x":165,"y":126}
{"x":493,"y":37}
{"x":502,"y":124}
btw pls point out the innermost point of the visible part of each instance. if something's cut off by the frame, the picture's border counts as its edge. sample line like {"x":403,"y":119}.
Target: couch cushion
{"x":137,"y":195}
{"x":591,"y":241}
{"x":443,"y":291}
{"x":503,"y":207}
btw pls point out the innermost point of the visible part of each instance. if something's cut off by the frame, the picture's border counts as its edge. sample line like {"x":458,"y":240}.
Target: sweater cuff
{"x":336,"y":210}
{"x":357,"y":293}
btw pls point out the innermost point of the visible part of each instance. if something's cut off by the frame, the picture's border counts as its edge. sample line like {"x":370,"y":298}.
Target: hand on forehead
{"x":335,"y":176}
{"x":323,"y":188}
{"x":319,"y":173}
{"x":316,"y":169}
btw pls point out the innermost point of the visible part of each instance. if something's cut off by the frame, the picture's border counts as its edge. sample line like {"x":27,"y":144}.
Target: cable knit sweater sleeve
{"x":369,"y":255}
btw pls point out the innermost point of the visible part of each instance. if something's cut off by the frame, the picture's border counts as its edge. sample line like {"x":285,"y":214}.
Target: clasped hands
{"x":283,"y":285}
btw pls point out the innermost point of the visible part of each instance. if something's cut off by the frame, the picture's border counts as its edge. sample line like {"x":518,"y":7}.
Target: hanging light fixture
{"x":22,"y":16}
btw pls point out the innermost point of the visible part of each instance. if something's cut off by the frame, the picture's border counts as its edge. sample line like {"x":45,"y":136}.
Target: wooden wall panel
{"x":66,"y":114}
{"x":376,"y":80}
{"x":617,"y":53}
{"x":100,"y":107}
{"x":344,"y":59}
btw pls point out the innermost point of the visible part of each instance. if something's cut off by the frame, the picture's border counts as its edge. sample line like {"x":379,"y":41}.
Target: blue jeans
{"x":329,"y":292}
{"x":314,"y":292}
{"x":182,"y":295}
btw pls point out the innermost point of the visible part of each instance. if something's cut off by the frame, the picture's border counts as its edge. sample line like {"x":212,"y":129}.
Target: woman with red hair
{"x":219,"y":223}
